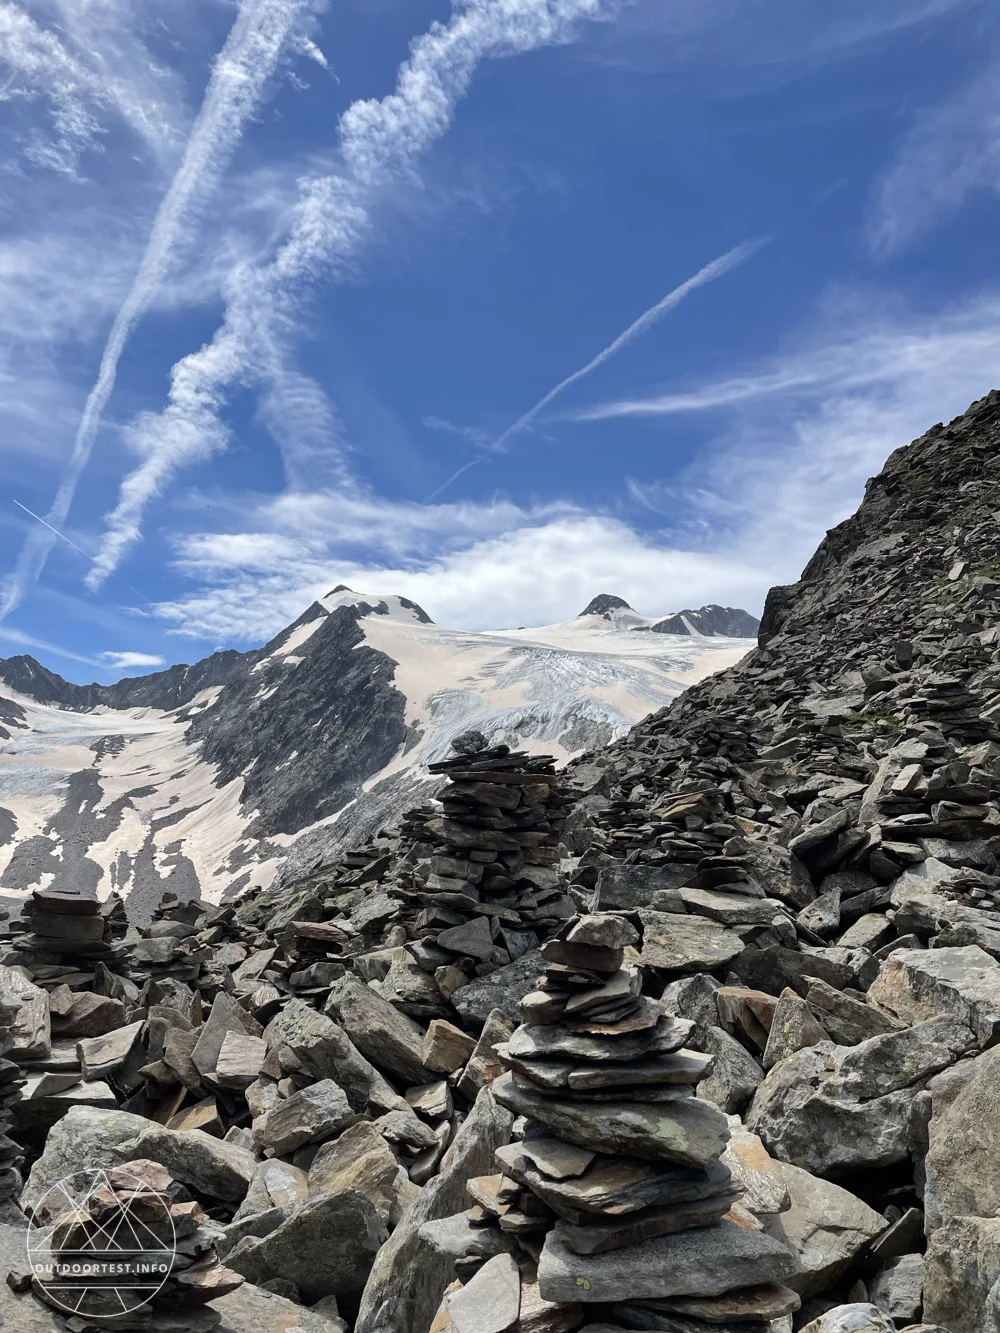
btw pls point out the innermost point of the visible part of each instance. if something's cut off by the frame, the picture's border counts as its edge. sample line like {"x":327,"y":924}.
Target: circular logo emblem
{"x":101,"y":1243}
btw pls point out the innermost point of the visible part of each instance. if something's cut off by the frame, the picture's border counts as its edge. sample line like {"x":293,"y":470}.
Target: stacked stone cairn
{"x":616,"y":1190}
{"x":481,"y":871}
{"x":145,"y":1245}
{"x":69,"y":934}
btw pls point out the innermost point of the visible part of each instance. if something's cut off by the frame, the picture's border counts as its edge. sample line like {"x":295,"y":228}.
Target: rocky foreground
{"x":701,"y":1034}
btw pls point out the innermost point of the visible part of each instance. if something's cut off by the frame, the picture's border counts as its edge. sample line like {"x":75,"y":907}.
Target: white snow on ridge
{"x":121,"y":798}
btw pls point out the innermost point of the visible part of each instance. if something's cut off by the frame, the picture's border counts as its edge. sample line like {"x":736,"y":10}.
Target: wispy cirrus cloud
{"x":239,"y":77}
{"x":87,"y":63}
{"x":379,"y":142}
{"x":952,"y":151}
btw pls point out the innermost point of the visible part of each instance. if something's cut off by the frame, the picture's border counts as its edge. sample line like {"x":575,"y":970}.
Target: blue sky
{"x":283,"y":282}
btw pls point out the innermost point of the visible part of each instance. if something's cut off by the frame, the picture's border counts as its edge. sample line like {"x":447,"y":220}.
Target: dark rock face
{"x":727,"y":621}
{"x":168,"y":689}
{"x":603,"y":604}
{"x":313,"y":733}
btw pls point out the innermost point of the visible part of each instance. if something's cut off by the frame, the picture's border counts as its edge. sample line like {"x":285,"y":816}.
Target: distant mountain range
{"x":208,"y":777}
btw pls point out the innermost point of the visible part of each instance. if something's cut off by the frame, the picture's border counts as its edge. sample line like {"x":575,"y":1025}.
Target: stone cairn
{"x":144,"y":1244}
{"x":616,"y":1190}
{"x":481,"y":872}
{"x":69,"y":935}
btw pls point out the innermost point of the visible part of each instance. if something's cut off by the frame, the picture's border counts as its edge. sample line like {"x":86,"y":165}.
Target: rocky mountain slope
{"x":202,"y":778}
{"x":699,"y":1035}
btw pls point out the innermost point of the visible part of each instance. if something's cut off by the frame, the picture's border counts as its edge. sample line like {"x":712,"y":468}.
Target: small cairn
{"x":127,"y":1248}
{"x":69,"y":935}
{"x":488,"y":891}
{"x":616,"y":1190}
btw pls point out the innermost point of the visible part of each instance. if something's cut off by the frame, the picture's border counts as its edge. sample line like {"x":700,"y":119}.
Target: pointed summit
{"x":603,"y":604}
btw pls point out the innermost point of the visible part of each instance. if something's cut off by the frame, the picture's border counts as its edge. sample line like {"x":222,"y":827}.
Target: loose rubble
{"x":698,"y":1034}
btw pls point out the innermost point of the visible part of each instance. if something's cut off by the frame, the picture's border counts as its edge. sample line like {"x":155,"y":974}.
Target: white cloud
{"x":379,"y":142}
{"x":124,"y":661}
{"x":796,"y":441}
{"x":952,"y":150}
{"x":88,"y":63}
{"x":536,"y":573}
{"x":239,"y":77}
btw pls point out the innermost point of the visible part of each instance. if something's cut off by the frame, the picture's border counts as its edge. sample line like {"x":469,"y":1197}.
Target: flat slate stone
{"x":618,"y":1185}
{"x":675,"y":943}
{"x":689,"y":1132}
{"x":704,"y":1262}
{"x":553,"y":1040}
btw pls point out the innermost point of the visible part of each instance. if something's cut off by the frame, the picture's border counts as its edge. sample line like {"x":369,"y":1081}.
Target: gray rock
{"x":731,"y":909}
{"x":32,"y":1026}
{"x":310,"y":1115}
{"x":472,"y":938}
{"x":326,"y":1247}
{"x":962,"y":1275}
{"x":870,"y":931}
{"x":491,"y":1301}
{"x":857,"y":1318}
{"x":100,"y":1057}
{"x":898,"y":1059}
{"x":827,"y":1228}
{"x":756,"y":1171}
{"x":360,"y":1159}
{"x":239,"y":1061}
{"x":324,"y":1050}
{"x":503,"y":989}
{"x":916,"y":984}
{"x":226,"y":1015}
{"x":21,"y":1314}
{"x":898,"y":1288}
{"x":275,"y":1184}
{"x":822,"y":916}
{"x":780,"y":874}
{"x":251,"y":1310}
{"x":800,"y":1114}
{"x":628,"y":887}
{"x":675,"y":943}
{"x":793,"y":1027}
{"x":735,"y":1075}
{"x":484,"y":1062}
{"x":88,"y":1139}
{"x":408,"y":1278}
{"x":380,"y":1032}
{"x":456,"y":1238}
{"x":847,"y":1019}
{"x":688,"y":1131}
{"x":702,"y":1262}
{"x":694,"y":998}
{"x":963,"y":1157}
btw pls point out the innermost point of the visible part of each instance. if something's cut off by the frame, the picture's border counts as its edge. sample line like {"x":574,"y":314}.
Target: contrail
{"x":379,"y":141}
{"x":454,"y":477}
{"x":738,"y":255}
{"x":238,"y":77}
{"x":41,"y":520}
